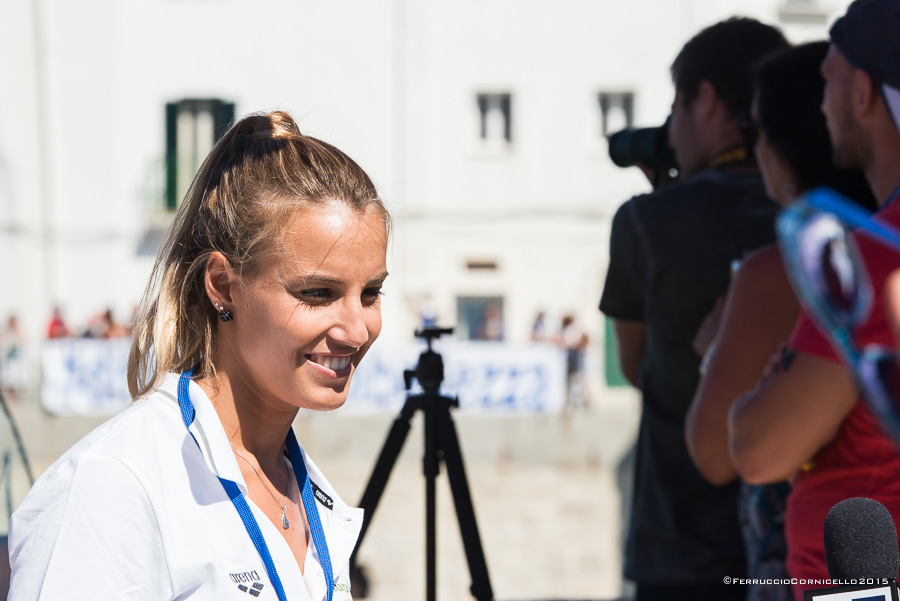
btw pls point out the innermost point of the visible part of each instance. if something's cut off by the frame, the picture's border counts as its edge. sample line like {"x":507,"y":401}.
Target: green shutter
{"x":224,"y":117}
{"x":171,"y":155}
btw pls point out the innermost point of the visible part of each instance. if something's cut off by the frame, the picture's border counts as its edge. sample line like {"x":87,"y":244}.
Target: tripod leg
{"x":382,"y":471}
{"x":431,"y":465}
{"x":465,"y":512}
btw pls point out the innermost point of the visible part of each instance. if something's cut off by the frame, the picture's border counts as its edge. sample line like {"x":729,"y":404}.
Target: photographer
{"x":670,"y":254}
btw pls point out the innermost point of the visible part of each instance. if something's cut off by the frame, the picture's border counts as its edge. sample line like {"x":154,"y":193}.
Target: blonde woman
{"x":263,"y":300}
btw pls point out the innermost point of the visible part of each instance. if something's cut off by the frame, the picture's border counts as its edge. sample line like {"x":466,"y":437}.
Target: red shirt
{"x":861,"y":461}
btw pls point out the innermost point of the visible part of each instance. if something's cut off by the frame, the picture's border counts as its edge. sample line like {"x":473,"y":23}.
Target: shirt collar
{"x":209,"y":433}
{"x":344,"y":522}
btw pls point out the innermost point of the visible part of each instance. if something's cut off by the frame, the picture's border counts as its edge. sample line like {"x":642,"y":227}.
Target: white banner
{"x":84,"y":376}
{"x":488,"y":377}
{"x":87,"y":377}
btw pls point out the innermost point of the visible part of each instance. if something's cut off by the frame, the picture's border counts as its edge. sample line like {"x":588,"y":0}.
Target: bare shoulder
{"x":761,"y":302}
{"x":762,"y":274}
{"x":762,"y":262}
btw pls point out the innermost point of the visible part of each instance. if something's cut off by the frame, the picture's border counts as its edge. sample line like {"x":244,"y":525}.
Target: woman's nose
{"x":350,"y":327}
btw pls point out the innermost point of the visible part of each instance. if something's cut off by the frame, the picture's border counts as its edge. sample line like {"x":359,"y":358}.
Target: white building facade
{"x":481,"y":122}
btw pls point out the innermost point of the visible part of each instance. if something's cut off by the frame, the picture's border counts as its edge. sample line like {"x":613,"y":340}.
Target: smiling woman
{"x":305,"y":322}
{"x":263,"y":300}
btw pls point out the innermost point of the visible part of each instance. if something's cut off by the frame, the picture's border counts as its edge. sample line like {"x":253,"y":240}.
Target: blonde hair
{"x":247,"y":190}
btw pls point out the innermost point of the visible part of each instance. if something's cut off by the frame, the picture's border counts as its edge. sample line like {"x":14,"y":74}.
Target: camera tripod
{"x":441,"y":443}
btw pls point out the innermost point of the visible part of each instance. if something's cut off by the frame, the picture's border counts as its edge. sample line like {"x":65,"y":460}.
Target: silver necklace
{"x":284,"y":521}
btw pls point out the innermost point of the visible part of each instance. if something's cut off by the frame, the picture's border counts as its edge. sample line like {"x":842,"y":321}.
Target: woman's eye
{"x":316,"y":294}
{"x":324,"y":295}
{"x":371,"y":294}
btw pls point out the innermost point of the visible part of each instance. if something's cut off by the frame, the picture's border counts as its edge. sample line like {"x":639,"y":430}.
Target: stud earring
{"x":224,"y":314}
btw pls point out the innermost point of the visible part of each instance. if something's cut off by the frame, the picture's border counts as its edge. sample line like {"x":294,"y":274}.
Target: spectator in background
{"x":805,"y":420}
{"x":574,"y":342}
{"x":12,"y":362}
{"x":794,"y":154}
{"x":670,"y":257}
{"x":57,"y":327}
{"x":539,"y":332}
{"x":105,"y":326}
{"x":490,"y":327}
{"x":113,"y":328}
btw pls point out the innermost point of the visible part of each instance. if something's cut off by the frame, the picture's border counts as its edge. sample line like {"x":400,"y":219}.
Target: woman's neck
{"x":254,"y":425}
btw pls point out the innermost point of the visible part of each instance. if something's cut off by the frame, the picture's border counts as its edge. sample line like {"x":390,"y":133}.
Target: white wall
{"x":392,"y":82}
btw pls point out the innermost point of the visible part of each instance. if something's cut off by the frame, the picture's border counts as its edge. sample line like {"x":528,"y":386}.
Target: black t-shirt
{"x":670,"y":257}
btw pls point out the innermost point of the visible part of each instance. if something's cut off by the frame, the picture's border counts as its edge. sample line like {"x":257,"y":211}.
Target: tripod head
{"x":430,"y":369}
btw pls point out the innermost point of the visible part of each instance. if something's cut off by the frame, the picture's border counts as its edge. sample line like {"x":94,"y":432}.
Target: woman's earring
{"x":224,"y":314}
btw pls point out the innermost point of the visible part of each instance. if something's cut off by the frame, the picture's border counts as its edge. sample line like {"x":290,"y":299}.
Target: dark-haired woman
{"x":263,"y":300}
{"x":793,"y":151}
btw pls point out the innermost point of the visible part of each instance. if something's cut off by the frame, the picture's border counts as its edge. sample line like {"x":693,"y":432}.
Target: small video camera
{"x":430,"y":369}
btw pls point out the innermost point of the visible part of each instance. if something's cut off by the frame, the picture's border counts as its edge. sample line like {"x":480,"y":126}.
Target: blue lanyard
{"x":240,"y":503}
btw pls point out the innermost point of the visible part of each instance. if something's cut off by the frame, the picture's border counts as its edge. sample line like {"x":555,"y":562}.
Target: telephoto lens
{"x":648,"y":146}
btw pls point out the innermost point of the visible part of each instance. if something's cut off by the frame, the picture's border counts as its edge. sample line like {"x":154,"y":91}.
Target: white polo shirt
{"x":135,"y":511}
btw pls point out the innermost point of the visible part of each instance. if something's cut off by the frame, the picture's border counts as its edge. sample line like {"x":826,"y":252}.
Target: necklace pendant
{"x":284,"y":521}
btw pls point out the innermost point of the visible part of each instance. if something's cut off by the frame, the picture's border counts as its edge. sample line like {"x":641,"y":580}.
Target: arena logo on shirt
{"x":323,"y":498}
{"x":245,"y":577}
{"x":251,"y":578}
{"x":255,"y":590}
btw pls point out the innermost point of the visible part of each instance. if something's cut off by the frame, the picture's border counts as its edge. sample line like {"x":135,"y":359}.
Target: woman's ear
{"x":219,"y":279}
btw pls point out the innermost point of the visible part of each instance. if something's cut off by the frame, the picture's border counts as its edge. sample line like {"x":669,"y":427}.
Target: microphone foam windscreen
{"x":861,"y":541}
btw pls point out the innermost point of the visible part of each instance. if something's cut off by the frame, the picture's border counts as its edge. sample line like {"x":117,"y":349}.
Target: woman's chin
{"x":327,"y":402}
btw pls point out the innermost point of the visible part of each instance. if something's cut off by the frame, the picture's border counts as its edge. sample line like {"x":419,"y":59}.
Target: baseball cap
{"x":867,"y":35}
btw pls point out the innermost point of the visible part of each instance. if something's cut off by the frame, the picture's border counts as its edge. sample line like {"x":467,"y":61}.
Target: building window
{"x":193,"y":127}
{"x":616,"y":112}
{"x":481,"y":265}
{"x":495,"y":119}
{"x":479,"y":317}
{"x":804,"y":11}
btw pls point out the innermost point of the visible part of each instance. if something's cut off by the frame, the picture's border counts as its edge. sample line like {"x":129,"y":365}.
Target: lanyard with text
{"x":240,"y":503}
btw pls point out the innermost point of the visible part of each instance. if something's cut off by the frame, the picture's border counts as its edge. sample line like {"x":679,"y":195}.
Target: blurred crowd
{"x":101,"y":325}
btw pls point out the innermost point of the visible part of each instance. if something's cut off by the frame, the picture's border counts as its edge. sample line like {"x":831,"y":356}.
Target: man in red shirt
{"x":805,"y":421}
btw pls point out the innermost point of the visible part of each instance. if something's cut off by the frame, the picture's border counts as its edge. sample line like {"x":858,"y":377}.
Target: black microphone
{"x":861,"y":541}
